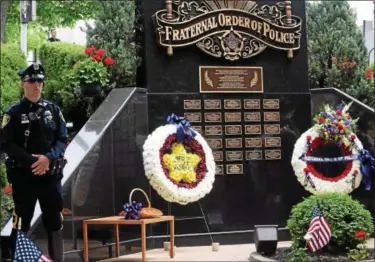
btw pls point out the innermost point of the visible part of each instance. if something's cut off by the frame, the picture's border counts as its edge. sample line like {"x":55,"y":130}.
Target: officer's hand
{"x":41,"y":166}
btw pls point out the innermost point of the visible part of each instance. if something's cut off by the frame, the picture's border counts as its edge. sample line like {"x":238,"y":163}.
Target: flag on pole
{"x":319,"y":232}
{"x":26,"y":250}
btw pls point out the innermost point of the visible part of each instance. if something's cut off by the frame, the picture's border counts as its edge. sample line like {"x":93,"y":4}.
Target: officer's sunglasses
{"x":33,"y":80}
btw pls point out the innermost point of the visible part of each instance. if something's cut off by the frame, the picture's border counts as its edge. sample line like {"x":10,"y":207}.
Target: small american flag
{"x":26,"y":250}
{"x":319,"y":233}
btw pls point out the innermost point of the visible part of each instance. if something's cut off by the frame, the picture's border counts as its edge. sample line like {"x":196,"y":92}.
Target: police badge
{"x":47,"y":116}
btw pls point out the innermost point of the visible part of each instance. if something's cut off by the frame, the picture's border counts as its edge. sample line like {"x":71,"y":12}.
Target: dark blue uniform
{"x":36,"y":128}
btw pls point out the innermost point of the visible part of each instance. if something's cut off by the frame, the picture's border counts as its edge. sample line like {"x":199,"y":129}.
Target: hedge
{"x":12,"y":60}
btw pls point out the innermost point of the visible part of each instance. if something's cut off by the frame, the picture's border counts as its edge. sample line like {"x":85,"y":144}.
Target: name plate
{"x":272,"y":129}
{"x":234,"y":155}
{"x":218,"y":156}
{"x":271,"y":104}
{"x":234,"y":169}
{"x":233,"y":142}
{"x":252,"y":117}
{"x":254,"y":155}
{"x":193,"y":117}
{"x":219,"y":170}
{"x":232,"y":104}
{"x":212,"y":104}
{"x":271,"y":116}
{"x":272,"y":154}
{"x":232,"y":130}
{"x":192,"y":104}
{"x":212,"y":117}
{"x":253,"y":142}
{"x":232,"y":117}
{"x":198,"y":129}
{"x":231,"y":79}
{"x":253,"y":129}
{"x":272,"y":142}
{"x":213,"y":130}
{"x":215,"y":143}
{"x":251,"y":103}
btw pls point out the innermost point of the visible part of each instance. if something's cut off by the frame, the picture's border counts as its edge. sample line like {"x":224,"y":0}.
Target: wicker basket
{"x":146,"y":212}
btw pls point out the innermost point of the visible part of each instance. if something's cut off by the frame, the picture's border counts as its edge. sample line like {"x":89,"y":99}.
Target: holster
{"x":9,"y":167}
{"x":57,"y":166}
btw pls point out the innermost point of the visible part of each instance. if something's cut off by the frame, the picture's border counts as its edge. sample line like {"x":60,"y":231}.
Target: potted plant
{"x":91,"y":73}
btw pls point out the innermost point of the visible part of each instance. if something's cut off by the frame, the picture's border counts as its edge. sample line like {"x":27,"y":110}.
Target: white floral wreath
{"x":201,"y":173}
{"x":337,"y":126}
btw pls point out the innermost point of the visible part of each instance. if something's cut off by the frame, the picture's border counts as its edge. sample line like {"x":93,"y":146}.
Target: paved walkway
{"x":202,"y":253}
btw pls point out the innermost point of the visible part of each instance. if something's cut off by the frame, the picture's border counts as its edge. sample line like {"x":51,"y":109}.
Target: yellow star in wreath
{"x":181,"y":165}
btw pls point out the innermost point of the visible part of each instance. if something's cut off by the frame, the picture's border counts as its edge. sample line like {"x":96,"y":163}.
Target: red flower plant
{"x":359,"y":235}
{"x":100,"y":52}
{"x":109,"y":61}
{"x":369,"y":74}
{"x":7,"y":190}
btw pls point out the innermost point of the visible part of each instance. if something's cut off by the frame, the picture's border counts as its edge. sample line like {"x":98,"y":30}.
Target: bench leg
{"x":143,"y":237}
{"x":117,"y":241}
{"x":171,"y":231}
{"x":85,"y":243}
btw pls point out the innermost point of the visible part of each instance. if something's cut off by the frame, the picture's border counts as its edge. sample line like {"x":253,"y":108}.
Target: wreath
{"x":178,"y":162}
{"x":335,"y":127}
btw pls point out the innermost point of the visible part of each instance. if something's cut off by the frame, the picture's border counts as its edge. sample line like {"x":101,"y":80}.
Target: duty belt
{"x":55,"y":167}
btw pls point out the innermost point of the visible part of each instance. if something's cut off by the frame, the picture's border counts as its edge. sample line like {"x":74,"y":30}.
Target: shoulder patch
{"x":6,"y":119}
{"x":61,"y":116}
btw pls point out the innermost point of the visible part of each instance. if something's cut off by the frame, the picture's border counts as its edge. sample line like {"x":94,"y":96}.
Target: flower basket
{"x":145,"y":212}
{"x":91,"y":89}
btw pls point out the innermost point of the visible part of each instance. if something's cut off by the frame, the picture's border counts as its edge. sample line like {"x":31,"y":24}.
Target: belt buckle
{"x":27,"y":132}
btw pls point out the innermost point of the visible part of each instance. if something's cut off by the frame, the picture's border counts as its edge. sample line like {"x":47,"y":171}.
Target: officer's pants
{"x":25,"y":194}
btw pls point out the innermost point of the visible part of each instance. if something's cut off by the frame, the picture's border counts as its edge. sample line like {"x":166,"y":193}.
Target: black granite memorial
{"x":240,"y":77}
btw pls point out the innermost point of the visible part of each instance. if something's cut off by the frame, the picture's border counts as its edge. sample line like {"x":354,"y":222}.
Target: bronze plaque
{"x":253,"y":142}
{"x":253,"y":129}
{"x":254,"y":155}
{"x":232,"y":104}
{"x":213,"y":130}
{"x":233,"y":169}
{"x":252,"y":117}
{"x":272,"y":129}
{"x":192,"y":104}
{"x":213,"y":117}
{"x":215,"y":143}
{"x":251,"y":103}
{"x":232,"y":117}
{"x":233,"y":142}
{"x":231,"y":79}
{"x":272,"y":154}
{"x":198,"y":129}
{"x":234,"y":155}
{"x":212,"y":104}
{"x":193,"y":117}
{"x":232,"y":130}
{"x":219,"y":170}
{"x":271,"y":116}
{"x":272,"y":141}
{"x":218,"y":156}
{"x":271,"y":104}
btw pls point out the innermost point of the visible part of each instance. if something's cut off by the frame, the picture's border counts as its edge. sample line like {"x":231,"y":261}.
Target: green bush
{"x":344,"y":215}
{"x":12,"y":60}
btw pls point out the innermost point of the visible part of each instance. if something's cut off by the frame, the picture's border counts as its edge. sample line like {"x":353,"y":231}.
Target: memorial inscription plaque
{"x":212,"y":104}
{"x":232,"y":130}
{"x":251,"y":103}
{"x":234,"y":156}
{"x":252,"y":117}
{"x":272,"y":142}
{"x":213,"y":131}
{"x":233,"y":142}
{"x":231,"y":79}
{"x":272,"y":154}
{"x":253,"y":142}
{"x":218,"y":156}
{"x":232,"y":117}
{"x":192,"y":104}
{"x":193,"y":117}
{"x":254,"y":155}
{"x":232,"y":104}
{"x":271,"y":104}
{"x":212,"y":117}
{"x":271,"y":116}
{"x":219,"y":170}
{"x":233,"y":169}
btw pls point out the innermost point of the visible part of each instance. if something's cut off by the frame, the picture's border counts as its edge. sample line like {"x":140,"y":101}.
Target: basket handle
{"x":144,"y":193}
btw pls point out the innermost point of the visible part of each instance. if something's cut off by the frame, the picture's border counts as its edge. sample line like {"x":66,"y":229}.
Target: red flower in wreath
{"x":359,"y":235}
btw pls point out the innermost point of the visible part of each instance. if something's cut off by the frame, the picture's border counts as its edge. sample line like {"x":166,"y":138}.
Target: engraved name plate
{"x":234,"y":155}
{"x":193,"y":117}
{"x":253,"y":129}
{"x":254,"y":155}
{"x":192,"y":104}
{"x":212,"y":104}
{"x":252,"y":117}
{"x":253,"y":142}
{"x":218,"y":156}
{"x":251,"y":103}
{"x":272,"y":142}
{"x":271,"y":116}
{"x":232,"y":130}
{"x":219,"y":170}
{"x":215,"y":143}
{"x":232,"y":117}
{"x":233,"y":169}
{"x":272,"y":154}
{"x":213,"y":117}
{"x":271,"y":104}
{"x":198,"y":129}
{"x":233,"y":142}
{"x":272,"y":129}
{"x":232,"y":104}
{"x":213,"y":130}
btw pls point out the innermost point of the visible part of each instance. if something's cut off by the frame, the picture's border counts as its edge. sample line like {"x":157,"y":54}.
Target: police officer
{"x":34,"y":136}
